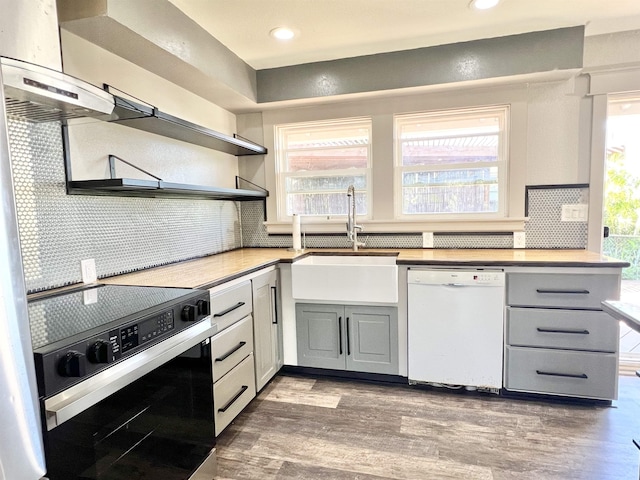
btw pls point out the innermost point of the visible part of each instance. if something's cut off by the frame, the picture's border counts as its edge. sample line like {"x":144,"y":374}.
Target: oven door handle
{"x":69,"y":403}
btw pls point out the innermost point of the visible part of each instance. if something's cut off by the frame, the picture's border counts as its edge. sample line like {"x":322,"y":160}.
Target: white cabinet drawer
{"x":562,"y":372}
{"x":233,"y":392}
{"x":567,"y":290}
{"x":231,"y":304}
{"x":568,"y":329}
{"x":231,"y":346}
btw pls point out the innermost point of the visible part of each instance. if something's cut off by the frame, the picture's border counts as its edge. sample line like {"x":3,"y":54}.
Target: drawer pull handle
{"x":228,"y":310}
{"x":561,"y":291}
{"x":556,"y":374}
{"x":231,"y":352}
{"x":340,"y":334}
{"x":348,"y":339}
{"x":563,"y":330}
{"x":274,"y":291}
{"x":233,"y":400}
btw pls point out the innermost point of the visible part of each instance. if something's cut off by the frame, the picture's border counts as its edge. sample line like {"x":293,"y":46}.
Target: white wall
{"x":174,"y":161}
{"x":612,"y":49}
{"x":546,"y":142}
{"x":558,"y":133}
{"x":29,"y":31}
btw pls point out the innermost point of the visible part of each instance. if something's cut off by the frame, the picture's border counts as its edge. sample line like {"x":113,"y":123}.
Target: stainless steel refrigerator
{"x":21,"y":449}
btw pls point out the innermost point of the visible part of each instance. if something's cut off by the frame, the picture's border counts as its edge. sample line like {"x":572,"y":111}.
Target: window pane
{"x":327,"y":137}
{"x":450,"y":191}
{"x":324,"y":204}
{"x":446,"y":151}
{"x":331,"y":159}
{"x":324,"y":183}
{"x":434,"y":126}
{"x":318,"y":161}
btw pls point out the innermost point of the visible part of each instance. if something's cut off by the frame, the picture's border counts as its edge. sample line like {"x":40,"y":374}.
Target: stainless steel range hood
{"x":39,"y":94}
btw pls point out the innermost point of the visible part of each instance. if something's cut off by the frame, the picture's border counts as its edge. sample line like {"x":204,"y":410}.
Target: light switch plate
{"x":575,"y":213}
{"x":519,"y":240}
{"x":88,"y":268}
{"x":427,"y":239}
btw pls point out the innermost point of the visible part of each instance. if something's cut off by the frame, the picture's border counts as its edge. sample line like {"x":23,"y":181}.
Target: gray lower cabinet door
{"x":319,"y":336}
{"x":372,"y":339}
{"x":267,"y":331}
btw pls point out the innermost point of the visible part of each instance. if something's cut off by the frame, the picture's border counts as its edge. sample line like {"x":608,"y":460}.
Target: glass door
{"x":622,"y":208}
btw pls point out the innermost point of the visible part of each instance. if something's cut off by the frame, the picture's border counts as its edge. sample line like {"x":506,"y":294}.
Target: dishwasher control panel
{"x":457,"y":277}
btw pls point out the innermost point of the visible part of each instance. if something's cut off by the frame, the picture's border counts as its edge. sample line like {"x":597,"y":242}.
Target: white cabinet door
{"x":266,"y":327}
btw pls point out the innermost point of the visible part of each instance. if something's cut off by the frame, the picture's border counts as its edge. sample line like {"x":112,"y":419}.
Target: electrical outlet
{"x":88,"y":269}
{"x":90,"y":296}
{"x":519,"y":240}
{"x":427,"y":239}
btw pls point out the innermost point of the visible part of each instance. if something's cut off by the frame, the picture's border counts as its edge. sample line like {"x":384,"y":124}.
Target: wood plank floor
{"x":306,"y":428}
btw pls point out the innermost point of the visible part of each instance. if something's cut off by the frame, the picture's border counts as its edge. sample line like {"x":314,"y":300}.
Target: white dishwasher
{"x":455,"y":327}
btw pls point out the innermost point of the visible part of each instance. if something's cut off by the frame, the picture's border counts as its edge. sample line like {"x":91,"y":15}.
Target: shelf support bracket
{"x":240,"y":180}
{"x":112,"y":167}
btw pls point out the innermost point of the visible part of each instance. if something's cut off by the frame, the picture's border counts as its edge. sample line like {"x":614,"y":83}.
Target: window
{"x":452,"y":162}
{"x":316,"y":164}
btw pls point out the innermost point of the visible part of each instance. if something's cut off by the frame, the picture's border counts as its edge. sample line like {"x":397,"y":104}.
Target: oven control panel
{"x":69,"y":364}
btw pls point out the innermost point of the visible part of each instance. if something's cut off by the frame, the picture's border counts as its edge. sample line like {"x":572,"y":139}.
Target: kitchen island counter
{"x":207,"y":272}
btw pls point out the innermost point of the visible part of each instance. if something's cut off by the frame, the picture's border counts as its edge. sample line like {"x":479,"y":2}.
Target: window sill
{"x":375,"y":226}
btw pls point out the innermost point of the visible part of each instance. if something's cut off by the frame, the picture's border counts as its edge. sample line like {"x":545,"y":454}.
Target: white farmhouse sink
{"x":346,"y":278}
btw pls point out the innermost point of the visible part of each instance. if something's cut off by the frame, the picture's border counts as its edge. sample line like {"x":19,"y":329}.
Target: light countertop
{"x":209,"y":271}
{"x":629,"y":313}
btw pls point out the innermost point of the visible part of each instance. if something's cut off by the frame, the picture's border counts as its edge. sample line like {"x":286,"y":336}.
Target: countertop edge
{"x":213,"y":270}
{"x":629,"y":313}
{"x":514,"y":263}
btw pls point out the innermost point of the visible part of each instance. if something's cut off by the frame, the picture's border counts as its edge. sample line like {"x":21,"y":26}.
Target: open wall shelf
{"x":152,"y":188}
{"x":150,"y":119}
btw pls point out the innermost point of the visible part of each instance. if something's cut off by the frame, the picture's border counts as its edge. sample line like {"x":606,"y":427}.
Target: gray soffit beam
{"x":528,"y":53}
{"x":160,"y":38}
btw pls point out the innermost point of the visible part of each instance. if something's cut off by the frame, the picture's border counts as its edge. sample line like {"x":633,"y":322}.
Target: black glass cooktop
{"x":62,"y":316}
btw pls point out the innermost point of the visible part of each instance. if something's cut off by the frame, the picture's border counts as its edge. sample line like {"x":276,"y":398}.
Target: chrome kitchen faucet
{"x":352,"y":228}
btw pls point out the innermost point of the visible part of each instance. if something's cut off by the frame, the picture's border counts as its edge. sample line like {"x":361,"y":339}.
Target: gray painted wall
{"x":560,"y":49}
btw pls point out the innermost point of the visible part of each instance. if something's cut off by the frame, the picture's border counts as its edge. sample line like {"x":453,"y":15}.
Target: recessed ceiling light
{"x":483,"y":4}
{"x":282,"y":33}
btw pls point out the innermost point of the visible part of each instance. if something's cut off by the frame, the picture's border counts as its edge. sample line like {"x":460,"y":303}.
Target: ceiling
{"x":331,"y":29}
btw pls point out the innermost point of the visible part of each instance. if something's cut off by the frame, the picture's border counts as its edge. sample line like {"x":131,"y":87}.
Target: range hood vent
{"x":39,"y":94}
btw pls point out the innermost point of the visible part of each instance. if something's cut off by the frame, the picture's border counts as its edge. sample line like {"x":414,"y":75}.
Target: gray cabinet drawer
{"x":569,"y":329}
{"x":233,"y":392}
{"x":231,"y":304}
{"x":231,"y":346}
{"x":561,"y":372}
{"x":568,"y":290}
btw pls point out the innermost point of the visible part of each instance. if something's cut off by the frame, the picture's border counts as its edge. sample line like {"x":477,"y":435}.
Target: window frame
{"x":503,"y":111}
{"x":282,"y":174}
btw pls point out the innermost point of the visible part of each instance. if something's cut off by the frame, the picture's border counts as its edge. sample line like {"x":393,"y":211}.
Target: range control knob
{"x":204,"y":307}
{"x":72,"y":365}
{"x":99,"y":352}
{"x":189,"y":313}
